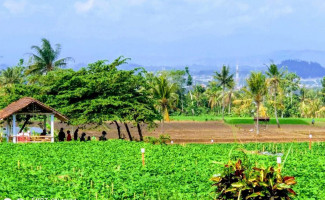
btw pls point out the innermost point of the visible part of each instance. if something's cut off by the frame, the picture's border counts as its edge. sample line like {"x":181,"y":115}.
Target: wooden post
{"x":142,"y":152}
{"x":52,"y":128}
{"x":8,"y":130}
{"x":45,"y":122}
{"x":14,"y":133}
{"x":278,"y":160}
{"x":310,"y":136}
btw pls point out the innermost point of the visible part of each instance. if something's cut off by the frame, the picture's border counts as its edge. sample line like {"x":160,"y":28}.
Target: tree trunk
{"x":118,"y":129}
{"x":128,"y":131}
{"x":257,"y":118}
{"x":192,"y":103}
{"x":229,"y":106}
{"x":223,"y":102}
{"x":140,"y":132}
{"x":27,"y":119}
{"x":275,"y":111}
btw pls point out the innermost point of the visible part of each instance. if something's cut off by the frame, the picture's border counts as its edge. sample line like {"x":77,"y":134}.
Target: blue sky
{"x":164,"y":32}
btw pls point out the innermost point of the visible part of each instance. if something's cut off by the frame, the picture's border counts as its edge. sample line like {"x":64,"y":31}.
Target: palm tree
{"x":166,"y":96}
{"x":225,"y":80}
{"x":257,"y":89}
{"x":12,"y":75}
{"x":213,"y":94}
{"x":46,"y":59}
{"x":275,"y":77}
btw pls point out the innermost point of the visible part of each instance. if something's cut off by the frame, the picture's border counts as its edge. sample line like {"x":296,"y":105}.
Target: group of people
{"x":62,"y":136}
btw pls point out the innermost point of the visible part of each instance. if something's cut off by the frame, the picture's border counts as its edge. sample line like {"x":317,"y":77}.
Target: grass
{"x":300,"y":121}
{"x":200,"y":118}
{"x":247,"y":120}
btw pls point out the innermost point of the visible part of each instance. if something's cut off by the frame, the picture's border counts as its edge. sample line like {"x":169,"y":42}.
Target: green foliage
{"x":165,"y":95}
{"x":272,"y":121}
{"x":12,"y":75}
{"x":162,"y":139}
{"x":45,"y":58}
{"x":241,"y":182}
{"x":113,"y":169}
{"x":189,"y":80}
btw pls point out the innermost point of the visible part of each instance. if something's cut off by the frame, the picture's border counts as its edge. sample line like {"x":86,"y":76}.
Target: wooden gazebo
{"x":28,"y":107}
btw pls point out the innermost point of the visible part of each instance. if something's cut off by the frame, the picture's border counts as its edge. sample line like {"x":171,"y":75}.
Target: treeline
{"x":102,"y":92}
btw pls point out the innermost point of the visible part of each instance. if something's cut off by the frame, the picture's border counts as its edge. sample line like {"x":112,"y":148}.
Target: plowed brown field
{"x":204,"y":132}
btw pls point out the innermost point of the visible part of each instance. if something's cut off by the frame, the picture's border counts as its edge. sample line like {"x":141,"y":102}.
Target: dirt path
{"x":204,"y":132}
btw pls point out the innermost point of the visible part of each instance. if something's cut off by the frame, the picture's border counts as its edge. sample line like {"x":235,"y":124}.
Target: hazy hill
{"x":304,"y":69}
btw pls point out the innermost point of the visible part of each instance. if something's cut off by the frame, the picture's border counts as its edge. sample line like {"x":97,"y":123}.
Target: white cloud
{"x":84,"y":6}
{"x":15,"y":7}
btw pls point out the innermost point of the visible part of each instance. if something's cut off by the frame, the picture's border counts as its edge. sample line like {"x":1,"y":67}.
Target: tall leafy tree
{"x":275,"y":77}
{"x":257,"y":89}
{"x":165,"y":94}
{"x":225,"y":80}
{"x":189,"y":83}
{"x":46,"y":58}
{"x":323,"y":89}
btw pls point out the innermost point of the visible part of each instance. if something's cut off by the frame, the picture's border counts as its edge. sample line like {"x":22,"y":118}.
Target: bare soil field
{"x":204,"y":132}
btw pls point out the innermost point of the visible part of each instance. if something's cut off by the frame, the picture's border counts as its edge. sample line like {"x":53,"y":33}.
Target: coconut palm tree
{"x":46,"y":59}
{"x":257,"y":89}
{"x":275,"y":77}
{"x":225,"y":80}
{"x":213,"y":94}
{"x":12,"y":75}
{"x":165,"y":94}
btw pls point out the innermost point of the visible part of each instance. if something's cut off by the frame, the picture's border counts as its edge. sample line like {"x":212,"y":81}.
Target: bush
{"x":241,"y":182}
{"x":163,"y":139}
{"x":151,"y":140}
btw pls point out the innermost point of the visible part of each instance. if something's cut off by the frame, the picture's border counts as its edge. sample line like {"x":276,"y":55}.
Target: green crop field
{"x":199,"y":118}
{"x":113,"y":169}
{"x":247,"y":120}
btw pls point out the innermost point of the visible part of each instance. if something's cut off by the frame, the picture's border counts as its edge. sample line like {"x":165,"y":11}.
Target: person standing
{"x":83,"y":137}
{"x":75,"y":134}
{"x":103,"y":137}
{"x":68,"y":136}
{"x":61,"y":135}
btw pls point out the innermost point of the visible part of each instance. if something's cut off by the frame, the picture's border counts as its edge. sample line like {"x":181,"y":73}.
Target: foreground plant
{"x":240,"y":182}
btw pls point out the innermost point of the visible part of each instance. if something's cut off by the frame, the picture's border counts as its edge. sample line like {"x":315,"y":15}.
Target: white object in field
{"x":142,"y":150}
{"x":310,"y":136}
{"x":211,"y":141}
{"x":251,"y":130}
{"x":172,"y":142}
{"x":278,"y":160}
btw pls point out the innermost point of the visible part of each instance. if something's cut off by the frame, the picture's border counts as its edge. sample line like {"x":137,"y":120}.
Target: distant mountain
{"x":304,"y":69}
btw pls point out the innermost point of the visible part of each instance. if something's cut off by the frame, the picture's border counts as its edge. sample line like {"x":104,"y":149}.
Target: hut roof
{"x":28,"y":105}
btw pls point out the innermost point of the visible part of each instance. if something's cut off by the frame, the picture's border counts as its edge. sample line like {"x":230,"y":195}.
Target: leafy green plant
{"x":151,"y":140}
{"x":241,"y":182}
{"x":163,"y":139}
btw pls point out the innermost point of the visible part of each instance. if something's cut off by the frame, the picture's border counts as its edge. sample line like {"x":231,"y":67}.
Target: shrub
{"x":151,"y":140}
{"x":163,"y":139}
{"x":241,"y":182}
